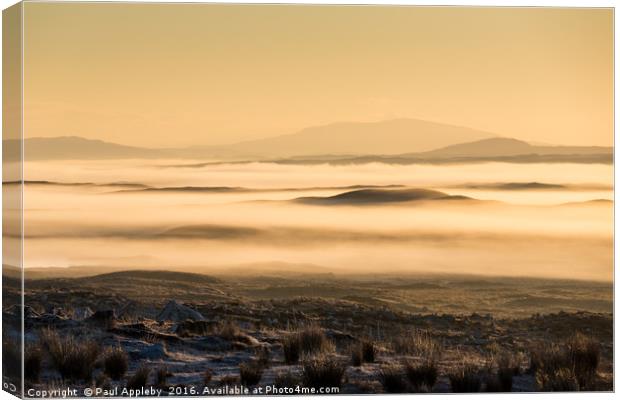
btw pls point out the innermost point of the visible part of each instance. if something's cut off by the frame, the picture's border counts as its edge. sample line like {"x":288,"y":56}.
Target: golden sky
{"x":181,"y":74}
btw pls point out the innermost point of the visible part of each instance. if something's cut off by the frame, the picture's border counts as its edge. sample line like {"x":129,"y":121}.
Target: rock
{"x":59,"y":311}
{"x":128,"y":311}
{"x":103,"y":317}
{"x":81,"y":313}
{"x":143,"y":332}
{"x":154,"y":351}
{"x":338,"y":335}
{"x":176,"y":312}
{"x":15,"y":311}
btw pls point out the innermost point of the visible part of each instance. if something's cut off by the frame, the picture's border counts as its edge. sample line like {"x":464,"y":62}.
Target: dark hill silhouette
{"x":156,"y":275}
{"x":516,"y":186}
{"x":75,"y":148}
{"x":486,"y":150}
{"x":506,"y":147}
{"x":378,"y":196}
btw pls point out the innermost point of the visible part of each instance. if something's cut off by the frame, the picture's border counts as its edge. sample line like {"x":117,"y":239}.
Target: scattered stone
{"x":177,"y":312}
{"x":82,"y":313}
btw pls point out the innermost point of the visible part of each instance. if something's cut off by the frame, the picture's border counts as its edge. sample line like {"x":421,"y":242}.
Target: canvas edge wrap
{"x":12,"y":188}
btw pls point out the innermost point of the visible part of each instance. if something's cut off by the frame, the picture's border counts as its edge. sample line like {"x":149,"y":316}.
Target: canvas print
{"x":228,"y":199}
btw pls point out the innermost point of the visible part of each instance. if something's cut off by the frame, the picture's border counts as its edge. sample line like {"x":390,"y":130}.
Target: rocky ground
{"x":194,"y":331}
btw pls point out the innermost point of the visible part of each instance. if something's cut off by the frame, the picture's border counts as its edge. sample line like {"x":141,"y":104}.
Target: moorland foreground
{"x":180,"y":332}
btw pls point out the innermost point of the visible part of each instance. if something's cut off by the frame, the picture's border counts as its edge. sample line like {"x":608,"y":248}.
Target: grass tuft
{"x":11,"y":358}
{"x":115,"y":363}
{"x":465,"y":379}
{"x":322,"y":371}
{"x":161,"y":376}
{"x":308,"y":341}
{"x":357,"y":358}
{"x":392,"y":379}
{"x":73,"y":359}
{"x":229,"y":331}
{"x":208,"y":376}
{"x":369,"y":351}
{"x":555,"y":365}
{"x":286,"y":380}
{"x":422,"y":376}
{"x":250,"y":373}
{"x":291,"y":348}
{"x":585,"y":355}
{"x":263,"y":356}
{"x":140,"y":378}
{"x":560,"y":380}
{"x":33,"y":358}
{"x":417,"y":343}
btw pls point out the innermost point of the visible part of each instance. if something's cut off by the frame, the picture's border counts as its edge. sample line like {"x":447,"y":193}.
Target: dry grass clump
{"x":115,"y":362}
{"x":422,"y":376}
{"x":369,"y":351}
{"x":507,"y":365}
{"x":229,"y":331}
{"x":11,"y":358}
{"x":251,"y":373}
{"x":465,"y":379}
{"x":322,"y":372}
{"x":356,"y":356}
{"x":229,"y":380}
{"x":392,"y":379}
{"x":33,"y":357}
{"x":417,"y":343}
{"x":101,"y":381}
{"x":291,"y":348}
{"x":560,"y":380}
{"x":140,"y":378}
{"x":585,"y":355}
{"x":362,"y":352}
{"x":308,"y":341}
{"x":263,"y":356}
{"x":364,"y":387}
{"x":208,"y":376}
{"x":286,"y":380}
{"x":557,"y":366}
{"x":546,"y":357}
{"x":313,"y":340}
{"x":72,"y":358}
{"x":161,"y":376}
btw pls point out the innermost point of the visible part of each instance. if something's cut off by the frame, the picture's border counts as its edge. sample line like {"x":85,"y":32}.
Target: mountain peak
{"x":496,"y":146}
{"x":355,"y":138}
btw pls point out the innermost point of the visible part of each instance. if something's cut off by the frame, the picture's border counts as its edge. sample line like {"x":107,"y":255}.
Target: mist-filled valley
{"x":502,"y":219}
{"x":204,"y":269}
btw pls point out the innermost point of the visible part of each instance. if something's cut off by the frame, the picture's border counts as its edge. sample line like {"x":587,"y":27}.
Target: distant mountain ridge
{"x":354,"y":138}
{"x":485,"y":150}
{"x":506,"y":147}
{"x":394,"y":141}
{"x":341,"y":138}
